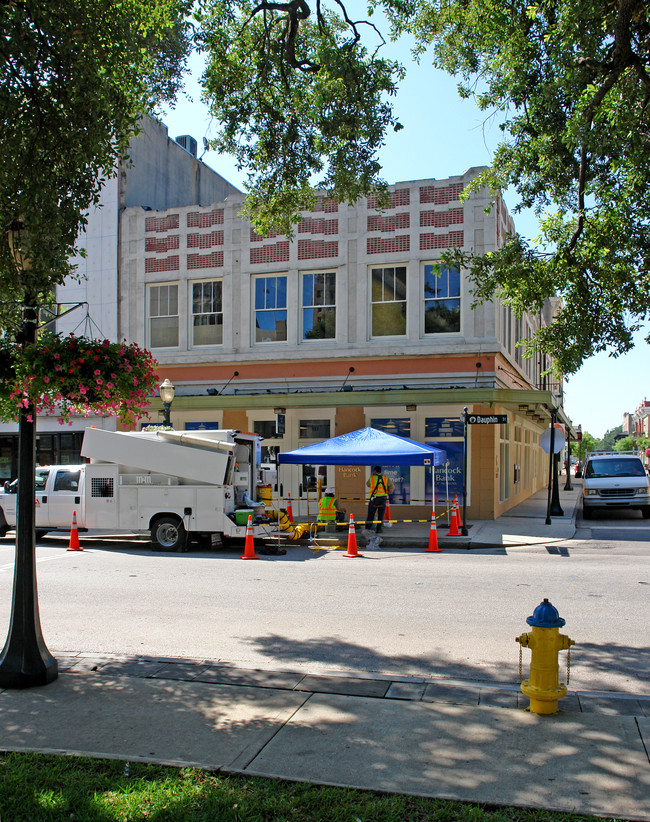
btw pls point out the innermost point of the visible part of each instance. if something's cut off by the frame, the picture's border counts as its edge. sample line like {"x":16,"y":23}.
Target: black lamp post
{"x":167,"y":393}
{"x":25,"y":660}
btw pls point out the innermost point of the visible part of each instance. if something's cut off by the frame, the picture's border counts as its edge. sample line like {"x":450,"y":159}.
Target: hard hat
{"x":330,"y":490}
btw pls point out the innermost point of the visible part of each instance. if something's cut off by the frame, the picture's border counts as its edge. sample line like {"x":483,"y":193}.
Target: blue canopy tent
{"x":368,"y":446}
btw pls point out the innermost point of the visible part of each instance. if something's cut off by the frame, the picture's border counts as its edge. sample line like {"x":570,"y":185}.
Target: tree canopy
{"x":297,"y":94}
{"x":75,"y":78}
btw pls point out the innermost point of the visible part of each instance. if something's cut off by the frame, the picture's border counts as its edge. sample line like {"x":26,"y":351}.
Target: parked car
{"x":615,"y":480}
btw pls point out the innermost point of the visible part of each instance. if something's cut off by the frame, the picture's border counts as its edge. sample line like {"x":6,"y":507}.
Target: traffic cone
{"x":458,"y":518}
{"x":453,"y":527}
{"x":352,"y":540}
{"x":249,"y":546}
{"x":73,"y":545}
{"x":387,"y":521}
{"x":289,"y":509}
{"x":433,"y":535}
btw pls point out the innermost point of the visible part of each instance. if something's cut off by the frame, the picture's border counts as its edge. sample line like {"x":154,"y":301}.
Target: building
{"x":351,"y":322}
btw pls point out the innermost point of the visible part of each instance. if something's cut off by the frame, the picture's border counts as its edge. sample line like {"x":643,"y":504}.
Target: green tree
{"x":607,"y":442}
{"x":75,"y":78}
{"x":569,"y":80}
{"x":584,"y":446}
{"x":296,"y":94}
{"x":298,"y":98}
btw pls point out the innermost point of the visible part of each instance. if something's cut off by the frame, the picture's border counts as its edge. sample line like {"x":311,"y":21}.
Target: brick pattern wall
{"x":398,"y":198}
{"x":388,"y":245}
{"x":159,"y":245}
{"x":161,"y":223}
{"x":276,"y":253}
{"x":213,"y":260}
{"x":197,"y":219}
{"x":326,"y":205}
{"x":317,"y":249}
{"x":257,"y":238}
{"x":205,"y":240}
{"x":394,"y":222}
{"x":441,"y":219}
{"x":452,"y":239}
{"x":440,"y":195}
{"x":318,"y":226}
{"x":154,"y":264}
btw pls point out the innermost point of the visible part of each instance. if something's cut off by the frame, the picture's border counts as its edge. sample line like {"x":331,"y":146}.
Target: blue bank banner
{"x":449,"y":476}
{"x":400,"y":475}
{"x":437,"y":427}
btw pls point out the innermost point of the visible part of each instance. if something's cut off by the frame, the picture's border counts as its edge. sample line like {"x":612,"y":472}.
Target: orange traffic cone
{"x":289,"y":509}
{"x":458,"y":518}
{"x":387,"y":515}
{"x":352,"y":540}
{"x":433,"y":535}
{"x":249,"y":546}
{"x":73,"y":545}
{"x":453,"y":526}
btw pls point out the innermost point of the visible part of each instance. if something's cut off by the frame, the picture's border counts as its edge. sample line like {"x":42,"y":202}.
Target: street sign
{"x":487,"y":419}
{"x":558,"y":439}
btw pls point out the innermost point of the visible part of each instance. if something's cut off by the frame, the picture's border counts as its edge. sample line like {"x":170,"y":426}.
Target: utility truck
{"x":173,"y":485}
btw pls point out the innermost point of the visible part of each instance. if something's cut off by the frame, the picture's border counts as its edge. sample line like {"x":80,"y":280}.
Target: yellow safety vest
{"x":327,"y":509}
{"x":378,"y":486}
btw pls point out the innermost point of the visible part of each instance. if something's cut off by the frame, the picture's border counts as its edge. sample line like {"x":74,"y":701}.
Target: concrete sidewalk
{"x":461,"y":740}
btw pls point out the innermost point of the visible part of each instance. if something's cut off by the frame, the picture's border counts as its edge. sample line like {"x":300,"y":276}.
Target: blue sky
{"x":442,"y":136}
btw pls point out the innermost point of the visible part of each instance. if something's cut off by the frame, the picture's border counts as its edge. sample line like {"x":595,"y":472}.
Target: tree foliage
{"x":75,"y":77}
{"x":569,"y":81}
{"x":298,"y":99}
{"x":297,"y":95}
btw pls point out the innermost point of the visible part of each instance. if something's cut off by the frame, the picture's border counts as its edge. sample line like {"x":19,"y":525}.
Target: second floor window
{"x":388,"y":289}
{"x":163,"y":315}
{"x":207,"y":313}
{"x":441,"y":299}
{"x":270,"y":309}
{"x":319,"y":306}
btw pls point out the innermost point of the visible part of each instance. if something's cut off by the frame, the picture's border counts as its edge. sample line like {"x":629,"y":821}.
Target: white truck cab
{"x":615,"y":479}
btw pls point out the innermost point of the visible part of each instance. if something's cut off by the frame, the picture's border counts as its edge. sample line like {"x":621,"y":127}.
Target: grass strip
{"x":45,"y":788}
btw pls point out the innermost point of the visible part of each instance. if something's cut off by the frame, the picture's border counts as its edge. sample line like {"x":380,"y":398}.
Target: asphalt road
{"x":405,"y":612}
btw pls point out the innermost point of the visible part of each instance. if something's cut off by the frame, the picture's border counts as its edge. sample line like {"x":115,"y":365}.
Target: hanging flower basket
{"x":75,"y":375}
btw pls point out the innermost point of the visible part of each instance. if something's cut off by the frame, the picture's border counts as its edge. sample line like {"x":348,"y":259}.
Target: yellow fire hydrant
{"x":545,"y":642}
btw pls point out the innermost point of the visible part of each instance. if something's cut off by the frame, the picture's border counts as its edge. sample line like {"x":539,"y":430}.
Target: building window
{"x":163,"y":315}
{"x":388,"y":289}
{"x":207,"y":313}
{"x":441,"y":299}
{"x":270,"y":309}
{"x":314,"y":429}
{"x":319,"y":306}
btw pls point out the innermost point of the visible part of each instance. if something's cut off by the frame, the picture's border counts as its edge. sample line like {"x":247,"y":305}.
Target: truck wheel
{"x":168,"y":534}
{"x":645,"y":511}
{"x":586,"y":513}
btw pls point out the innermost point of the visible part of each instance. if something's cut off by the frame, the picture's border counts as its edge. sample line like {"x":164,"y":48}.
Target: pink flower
{"x":97,"y":372}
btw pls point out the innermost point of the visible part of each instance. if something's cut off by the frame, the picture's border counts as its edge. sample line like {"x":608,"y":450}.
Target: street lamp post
{"x":167,"y":393}
{"x":25,"y":660}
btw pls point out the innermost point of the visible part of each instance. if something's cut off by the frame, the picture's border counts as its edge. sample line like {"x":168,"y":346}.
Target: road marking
{"x":44,"y":559}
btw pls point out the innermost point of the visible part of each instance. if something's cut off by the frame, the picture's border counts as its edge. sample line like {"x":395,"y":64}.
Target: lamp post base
{"x":18,"y":671}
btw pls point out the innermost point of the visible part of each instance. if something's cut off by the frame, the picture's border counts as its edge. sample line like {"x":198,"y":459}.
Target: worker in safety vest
{"x":380,"y":487}
{"x":329,"y":509}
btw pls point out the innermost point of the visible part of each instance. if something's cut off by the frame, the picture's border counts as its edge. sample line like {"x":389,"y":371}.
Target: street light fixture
{"x":25,"y":660}
{"x":167,"y":394}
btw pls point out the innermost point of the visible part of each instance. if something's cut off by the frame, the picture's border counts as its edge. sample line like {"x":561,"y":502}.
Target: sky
{"x":443,"y":136}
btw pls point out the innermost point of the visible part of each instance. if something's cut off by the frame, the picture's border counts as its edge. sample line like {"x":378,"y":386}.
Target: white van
{"x":615,"y":479}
